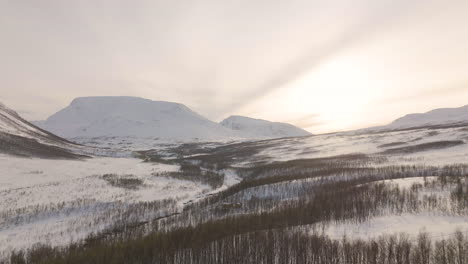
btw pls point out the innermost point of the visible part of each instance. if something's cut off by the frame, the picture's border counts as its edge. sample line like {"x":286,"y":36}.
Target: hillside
{"x":442,"y":116}
{"x":258,"y":128}
{"x":21,"y":138}
{"x":437,"y":118}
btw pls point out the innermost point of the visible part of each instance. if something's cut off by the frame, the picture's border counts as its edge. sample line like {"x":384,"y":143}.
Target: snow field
{"x":60,"y":201}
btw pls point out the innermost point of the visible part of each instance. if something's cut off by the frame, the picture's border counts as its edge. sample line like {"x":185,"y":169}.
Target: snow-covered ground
{"x":126,"y":144}
{"x":406,"y":183}
{"x":437,"y":226}
{"x":329,"y":145}
{"x":58,"y":201}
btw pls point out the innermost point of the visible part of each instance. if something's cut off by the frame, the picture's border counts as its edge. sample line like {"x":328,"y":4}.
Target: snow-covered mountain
{"x":132,"y":117}
{"x":123,"y":117}
{"x":442,"y":116}
{"x":434,"y":118}
{"x":258,"y":128}
{"x":19,"y":137}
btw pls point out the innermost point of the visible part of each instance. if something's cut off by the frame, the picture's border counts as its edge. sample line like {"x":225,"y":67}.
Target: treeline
{"x":326,"y":172}
{"x":283,"y":247}
{"x":264,"y":247}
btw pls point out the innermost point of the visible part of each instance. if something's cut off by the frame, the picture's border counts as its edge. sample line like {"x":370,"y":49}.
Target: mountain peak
{"x":109,"y":100}
{"x":131,"y":116}
{"x":243,"y":118}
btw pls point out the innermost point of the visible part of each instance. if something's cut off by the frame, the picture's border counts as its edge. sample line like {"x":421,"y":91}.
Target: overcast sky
{"x":323,"y":65}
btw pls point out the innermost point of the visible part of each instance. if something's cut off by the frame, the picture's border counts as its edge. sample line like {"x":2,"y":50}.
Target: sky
{"x":323,"y":65}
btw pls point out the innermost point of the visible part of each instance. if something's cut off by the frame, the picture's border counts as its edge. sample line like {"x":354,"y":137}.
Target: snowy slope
{"x":434,"y":117}
{"x":131,"y":116}
{"x":59,"y":201}
{"x":437,"y":117}
{"x":258,"y":128}
{"x":12,"y":123}
{"x":19,"y":137}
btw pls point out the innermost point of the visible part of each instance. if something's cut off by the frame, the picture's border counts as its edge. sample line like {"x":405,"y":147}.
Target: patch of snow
{"x":230,"y":178}
{"x":406,"y":183}
{"x":438,"y":226}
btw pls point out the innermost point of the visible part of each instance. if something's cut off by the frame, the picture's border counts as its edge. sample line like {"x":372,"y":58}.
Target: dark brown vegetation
{"x":274,"y":246}
{"x":192,"y":172}
{"x":393,"y":144}
{"x":214,"y":157}
{"x":27,"y":147}
{"x":123,"y":181}
{"x":424,"y":147}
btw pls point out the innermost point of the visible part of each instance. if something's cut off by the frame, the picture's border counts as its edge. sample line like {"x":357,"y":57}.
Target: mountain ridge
{"x":123,"y":116}
{"x":439,"y":117}
{"x":22,"y":138}
{"x":262,"y":128}
{"x":434,"y":117}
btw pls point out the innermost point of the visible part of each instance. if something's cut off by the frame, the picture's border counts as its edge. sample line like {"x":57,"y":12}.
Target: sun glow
{"x":331,"y":97}
{"x":339,"y":89}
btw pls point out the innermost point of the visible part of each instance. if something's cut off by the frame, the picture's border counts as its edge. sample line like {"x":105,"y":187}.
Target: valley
{"x":239,"y":201}
{"x":233,"y":132}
